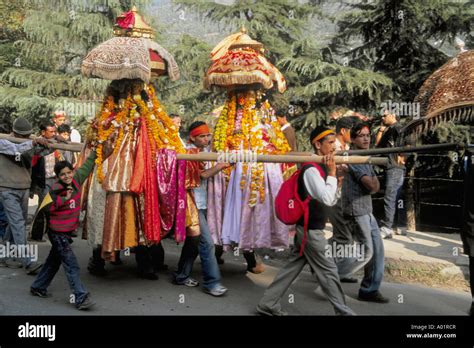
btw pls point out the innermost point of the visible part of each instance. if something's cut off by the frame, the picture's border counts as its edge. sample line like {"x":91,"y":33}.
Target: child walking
{"x":62,"y":208}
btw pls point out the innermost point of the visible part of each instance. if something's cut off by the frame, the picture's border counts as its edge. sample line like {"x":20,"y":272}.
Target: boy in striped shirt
{"x":62,"y":206}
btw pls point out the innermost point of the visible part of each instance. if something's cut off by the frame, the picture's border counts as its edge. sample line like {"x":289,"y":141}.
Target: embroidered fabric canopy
{"x":447,"y":95}
{"x":238,"y":62}
{"x":132,"y":54}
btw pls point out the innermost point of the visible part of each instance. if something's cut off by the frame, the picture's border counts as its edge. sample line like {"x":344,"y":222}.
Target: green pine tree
{"x":44,"y":75}
{"x":187,"y":97}
{"x":399,"y":37}
{"x":316,"y":80}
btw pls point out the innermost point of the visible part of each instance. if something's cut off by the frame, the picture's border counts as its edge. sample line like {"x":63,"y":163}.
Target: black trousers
{"x":149,"y":258}
{"x":341,"y":227}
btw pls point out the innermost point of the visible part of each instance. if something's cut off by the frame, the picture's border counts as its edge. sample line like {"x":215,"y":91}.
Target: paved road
{"x":123,"y":293}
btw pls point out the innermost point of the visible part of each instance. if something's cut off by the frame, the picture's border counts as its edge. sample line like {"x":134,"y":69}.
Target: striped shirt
{"x":64,"y":213}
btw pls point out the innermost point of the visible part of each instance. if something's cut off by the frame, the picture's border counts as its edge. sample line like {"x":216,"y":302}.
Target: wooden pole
{"x":69,"y":146}
{"x":248,"y":157}
{"x":233,"y":157}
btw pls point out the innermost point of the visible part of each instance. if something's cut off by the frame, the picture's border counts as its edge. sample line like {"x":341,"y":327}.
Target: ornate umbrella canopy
{"x":132,"y":54}
{"x":238,"y":63}
{"x":447,"y":95}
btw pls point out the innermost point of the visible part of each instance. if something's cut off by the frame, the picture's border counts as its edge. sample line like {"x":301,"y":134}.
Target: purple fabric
{"x":216,"y":188}
{"x":259,"y":226}
{"x":180,"y":225}
{"x":167,"y":188}
{"x":232,"y":208}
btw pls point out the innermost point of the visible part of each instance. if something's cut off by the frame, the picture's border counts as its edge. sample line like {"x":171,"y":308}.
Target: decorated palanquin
{"x":241,"y":197}
{"x":137,"y":195}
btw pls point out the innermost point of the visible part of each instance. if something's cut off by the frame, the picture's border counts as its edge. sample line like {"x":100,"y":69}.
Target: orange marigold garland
{"x":220,"y":133}
{"x":241,"y":127}
{"x":104,"y":131}
{"x":122,"y":117}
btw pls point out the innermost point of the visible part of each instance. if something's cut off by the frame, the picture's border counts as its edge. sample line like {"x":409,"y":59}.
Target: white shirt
{"x":75,"y":136}
{"x":285,"y":126}
{"x":325,"y":192}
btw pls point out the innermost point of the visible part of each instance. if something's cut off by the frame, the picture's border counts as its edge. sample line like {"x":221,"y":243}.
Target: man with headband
{"x":202,"y":244}
{"x":320,"y":183}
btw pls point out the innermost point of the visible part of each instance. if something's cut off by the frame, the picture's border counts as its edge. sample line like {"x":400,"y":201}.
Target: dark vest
{"x":15,"y":174}
{"x":318,"y":212}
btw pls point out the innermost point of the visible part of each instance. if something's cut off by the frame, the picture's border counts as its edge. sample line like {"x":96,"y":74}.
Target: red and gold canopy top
{"x":238,"y":62}
{"x":132,"y":24}
{"x":131,"y":54}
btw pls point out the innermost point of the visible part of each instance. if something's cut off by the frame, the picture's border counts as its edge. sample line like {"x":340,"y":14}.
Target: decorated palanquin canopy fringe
{"x":246,"y":120}
{"x":133,"y":193}
{"x":131,"y":54}
{"x":238,"y":61}
{"x":447,"y":95}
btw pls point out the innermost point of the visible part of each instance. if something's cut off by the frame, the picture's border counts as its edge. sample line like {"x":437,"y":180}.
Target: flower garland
{"x":279,"y":140}
{"x":153,"y":129}
{"x":220,"y":133}
{"x":104,"y":131}
{"x":169,"y":133}
{"x":123,"y":117}
{"x":230,"y":122}
{"x":240,"y":127}
{"x":120,"y":122}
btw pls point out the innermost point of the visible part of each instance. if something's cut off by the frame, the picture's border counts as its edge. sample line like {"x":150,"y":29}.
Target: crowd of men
{"x":341,"y":194}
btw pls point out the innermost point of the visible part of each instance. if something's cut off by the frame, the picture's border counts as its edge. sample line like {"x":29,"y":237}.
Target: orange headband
{"x":202,"y":129}
{"x":322,"y":135}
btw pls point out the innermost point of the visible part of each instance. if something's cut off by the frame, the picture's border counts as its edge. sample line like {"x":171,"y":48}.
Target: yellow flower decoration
{"x":161,"y":131}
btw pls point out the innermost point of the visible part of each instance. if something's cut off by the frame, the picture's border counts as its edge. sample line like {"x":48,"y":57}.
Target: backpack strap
{"x":305,"y":203}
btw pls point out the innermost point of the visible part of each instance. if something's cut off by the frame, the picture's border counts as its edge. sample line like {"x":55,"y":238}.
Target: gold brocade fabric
{"x":129,"y":219}
{"x":192,"y":216}
{"x":288,"y":170}
{"x":193,"y":171}
{"x":121,"y":230}
{"x":112,"y":228}
{"x":119,"y":173}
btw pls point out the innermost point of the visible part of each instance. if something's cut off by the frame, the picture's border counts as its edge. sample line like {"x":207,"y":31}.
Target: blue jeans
{"x":15,"y":206}
{"x":3,"y":221}
{"x":61,"y":253}
{"x":394,"y":182}
{"x":210,"y":268}
{"x":370,"y":237}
